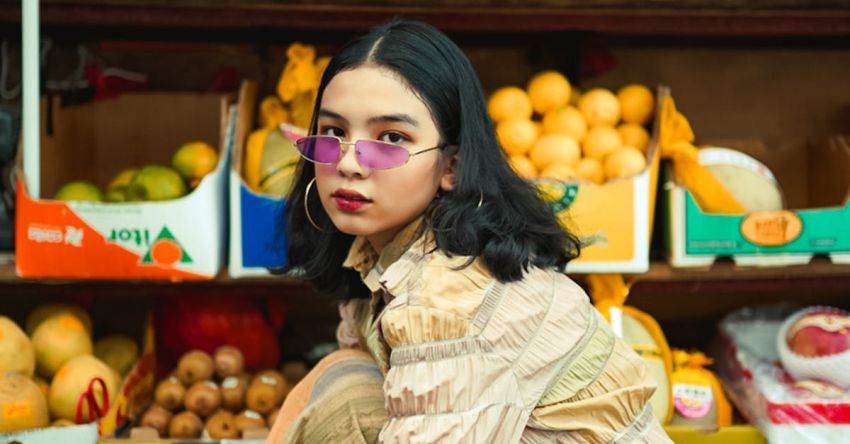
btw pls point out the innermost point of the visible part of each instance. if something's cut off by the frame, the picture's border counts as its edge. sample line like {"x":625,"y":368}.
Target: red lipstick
{"x":349,"y":200}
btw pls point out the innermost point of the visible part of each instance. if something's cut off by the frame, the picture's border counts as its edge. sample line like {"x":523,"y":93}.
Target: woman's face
{"x":371,"y":102}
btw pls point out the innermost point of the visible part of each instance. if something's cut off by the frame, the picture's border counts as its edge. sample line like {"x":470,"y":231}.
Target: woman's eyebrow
{"x":328,"y":113}
{"x":404,"y":118}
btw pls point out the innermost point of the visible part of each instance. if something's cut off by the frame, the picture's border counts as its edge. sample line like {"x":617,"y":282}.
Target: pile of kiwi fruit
{"x":214,"y":397}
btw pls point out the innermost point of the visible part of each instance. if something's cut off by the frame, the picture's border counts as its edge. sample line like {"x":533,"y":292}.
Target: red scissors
{"x":96,"y":410}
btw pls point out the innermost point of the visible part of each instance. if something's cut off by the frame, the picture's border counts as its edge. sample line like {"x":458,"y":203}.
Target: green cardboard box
{"x":815,"y":181}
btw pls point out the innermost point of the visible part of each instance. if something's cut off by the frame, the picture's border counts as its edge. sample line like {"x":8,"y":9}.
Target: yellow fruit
{"x":624,"y":162}
{"x":567,"y":121}
{"x":634,"y":135}
{"x":16,"y":350}
{"x":590,"y":169}
{"x":156,"y":182}
{"x":548,"y":90}
{"x":57,"y":340}
{"x":554,"y":148}
{"x":509,"y":102}
{"x":194,"y":160}
{"x":523,"y":166}
{"x":22,"y":405}
{"x":600,"y":107}
{"x":116,"y":191}
{"x":600,"y":141}
{"x":575,"y":96}
{"x":44,"y":311}
{"x":516,"y":135}
{"x":72,"y":380}
{"x":81,"y":191}
{"x":558,"y":171}
{"x":118,"y":352}
{"x":636,"y":103}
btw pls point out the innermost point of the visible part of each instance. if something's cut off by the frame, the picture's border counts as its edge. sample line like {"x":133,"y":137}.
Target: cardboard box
{"x":257,"y":230}
{"x":815,"y":180}
{"x":615,"y":219}
{"x":121,"y":241}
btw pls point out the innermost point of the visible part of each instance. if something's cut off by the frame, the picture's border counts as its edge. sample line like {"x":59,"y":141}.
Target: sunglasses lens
{"x":379,"y":155}
{"x":319,"y":149}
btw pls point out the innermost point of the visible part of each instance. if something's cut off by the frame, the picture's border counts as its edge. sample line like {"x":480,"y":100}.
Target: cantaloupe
{"x":22,"y":405}
{"x":16,"y":350}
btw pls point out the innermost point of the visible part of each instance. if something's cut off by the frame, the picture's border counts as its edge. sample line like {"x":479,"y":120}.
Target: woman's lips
{"x":349,"y":200}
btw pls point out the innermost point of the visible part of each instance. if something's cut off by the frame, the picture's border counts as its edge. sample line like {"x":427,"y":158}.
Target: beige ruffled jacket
{"x":469,"y":359}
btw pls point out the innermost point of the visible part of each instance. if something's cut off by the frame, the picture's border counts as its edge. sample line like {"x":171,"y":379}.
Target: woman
{"x":467,"y":329}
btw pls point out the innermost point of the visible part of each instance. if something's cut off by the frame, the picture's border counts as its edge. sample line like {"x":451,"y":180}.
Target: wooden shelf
{"x":659,"y":273}
{"x":733,"y":18}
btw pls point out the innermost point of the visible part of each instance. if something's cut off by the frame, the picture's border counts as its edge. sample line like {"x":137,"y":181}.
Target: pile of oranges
{"x":551,"y":130}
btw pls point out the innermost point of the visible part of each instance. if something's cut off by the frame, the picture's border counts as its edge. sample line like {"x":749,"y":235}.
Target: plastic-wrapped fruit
{"x":222,"y":425}
{"x":233,"y":391}
{"x":249,"y":419}
{"x":228,"y":361}
{"x":813,"y":345}
{"x":821,"y":332}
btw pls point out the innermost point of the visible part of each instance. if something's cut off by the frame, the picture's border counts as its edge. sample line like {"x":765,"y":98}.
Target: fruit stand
{"x":173,"y":161}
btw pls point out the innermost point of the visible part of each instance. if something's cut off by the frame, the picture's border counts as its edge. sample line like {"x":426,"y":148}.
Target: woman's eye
{"x":393,"y":138}
{"x":331,"y":131}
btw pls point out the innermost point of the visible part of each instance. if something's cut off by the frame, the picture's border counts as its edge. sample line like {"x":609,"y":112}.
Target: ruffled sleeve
{"x":474,"y":360}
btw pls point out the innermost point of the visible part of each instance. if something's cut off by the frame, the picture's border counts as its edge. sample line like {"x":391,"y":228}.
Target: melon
{"x":22,"y":405}
{"x":44,"y":311}
{"x":748,"y":180}
{"x":58,"y":339}
{"x":16,"y":350}
{"x":72,"y":381}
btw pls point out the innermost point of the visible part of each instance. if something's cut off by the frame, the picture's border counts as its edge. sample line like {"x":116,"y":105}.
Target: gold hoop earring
{"x":481,"y":200}
{"x":307,"y":208}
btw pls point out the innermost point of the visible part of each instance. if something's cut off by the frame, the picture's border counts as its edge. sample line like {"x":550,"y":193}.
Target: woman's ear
{"x":447,"y":178}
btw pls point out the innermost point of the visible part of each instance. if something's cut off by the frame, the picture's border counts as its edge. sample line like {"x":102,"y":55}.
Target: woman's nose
{"x":348,"y":164}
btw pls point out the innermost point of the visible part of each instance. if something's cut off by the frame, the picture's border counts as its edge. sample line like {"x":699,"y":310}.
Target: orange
{"x":636,"y":103}
{"x":575,"y":96}
{"x":600,"y":107}
{"x":558,"y":171}
{"x":567,"y":121}
{"x":509,"y":102}
{"x":194,"y":160}
{"x":554,"y":148}
{"x":600,"y":141}
{"x":548,"y":90}
{"x":634,"y":135}
{"x":590,"y":169}
{"x":624,"y":162}
{"x":523,"y":166}
{"x":516,"y":135}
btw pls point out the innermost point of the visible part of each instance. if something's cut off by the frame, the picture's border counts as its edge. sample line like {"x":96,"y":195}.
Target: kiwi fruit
{"x":169,"y":394}
{"x":228,"y":361}
{"x":249,"y":419}
{"x":272,"y":417}
{"x":203,"y":398}
{"x":194,"y":366}
{"x":185,"y":425}
{"x":263,"y":395}
{"x":222,"y":425}
{"x":233,"y":393}
{"x":158,"y":418}
{"x":294,"y":371}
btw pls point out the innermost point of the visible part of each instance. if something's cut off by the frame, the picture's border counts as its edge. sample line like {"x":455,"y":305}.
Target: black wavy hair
{"x":512,"y":230}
